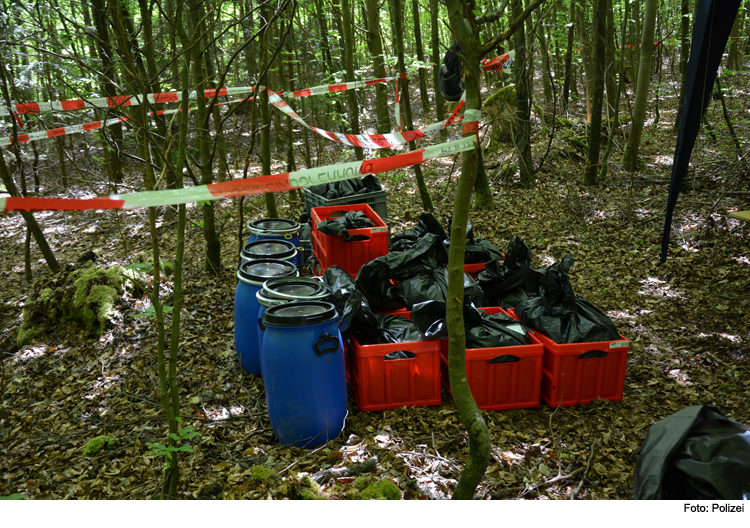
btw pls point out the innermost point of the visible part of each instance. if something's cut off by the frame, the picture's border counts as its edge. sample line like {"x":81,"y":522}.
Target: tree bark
{"x":349,"y":66}
{"x":378,"y":63}
{"x":569,"y":58}
{"x":420,"y":56}
{"x":523,"y":108}
{"x":684,"y":54}
{"x":595,"y":134}
{"x":435,"y":43}
{"x":630,"y":156}
{"x":424,"y":193}
{"x":265,"y":120}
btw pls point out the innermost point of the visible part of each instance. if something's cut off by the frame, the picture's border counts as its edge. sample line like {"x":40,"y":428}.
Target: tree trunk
{"x":479,"y":440}
{"x":424,"y":194}
{"x":378,"y":63}
{"x":265,"y":121}
{"x":610,"y":79}
{"x":588,"y":60}
{"x":435,"y":43}
{"x":599,"y":13}
{"x":684,"y":54}
{"x":523,"y":109}
{"x":630,"y":156}
{"x":349,"y":66}
{"x":420,"y":56}
{"x":569,"y":58}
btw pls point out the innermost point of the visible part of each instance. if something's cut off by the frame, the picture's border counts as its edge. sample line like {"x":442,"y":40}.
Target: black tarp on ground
{"x":713,"y":23}
{"x":696,"y":453}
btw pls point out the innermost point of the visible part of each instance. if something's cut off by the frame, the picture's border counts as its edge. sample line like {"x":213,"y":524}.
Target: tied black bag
{"x":451,"y":73}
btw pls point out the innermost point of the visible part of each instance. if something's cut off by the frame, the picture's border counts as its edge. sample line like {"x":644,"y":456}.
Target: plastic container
{"x":276,"y":229}
{"x":304,"y":373}
{"x":501,"y":377}
{"x":289,"y":289}
{"x":376,"y":200}
{"x":252,"y":275}
{"x":577,"y":373}
{"x":379,"y":383}
{"x":332,"y":250}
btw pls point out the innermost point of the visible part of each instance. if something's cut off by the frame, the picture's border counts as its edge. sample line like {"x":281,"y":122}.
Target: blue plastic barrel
{"x":289,"y":289}
{"x":252,"y":274}
{"x":276,"y":229}
{"x":304,"y":373}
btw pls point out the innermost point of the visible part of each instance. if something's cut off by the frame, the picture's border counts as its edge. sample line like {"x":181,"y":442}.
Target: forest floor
{"x":687,"y":322}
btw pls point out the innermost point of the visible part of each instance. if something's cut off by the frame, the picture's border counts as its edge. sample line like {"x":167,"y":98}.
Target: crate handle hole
{"x":399,"y":354}
{"x":504,"y":359}
{"x":592,"y":354}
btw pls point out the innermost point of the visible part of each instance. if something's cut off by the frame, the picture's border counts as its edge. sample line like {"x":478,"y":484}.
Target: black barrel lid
{"x":270,"y":248}
{"x":263,"y":269}
{"x":270,"y":226}
{"x":300,"y":313}
{"x":297,"y":288}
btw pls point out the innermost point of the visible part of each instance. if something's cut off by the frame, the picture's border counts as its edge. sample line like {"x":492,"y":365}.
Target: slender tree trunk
{"x":349,"y":66}
{"x":630,"y":156}
{"x":424,"y":194}
{"x":595,"y":136}
{"x":569,"y":58}
{"x":586,"y":54}
{"x":684,"y":54}
{"x":378,"y":64}
{"x":435,"y":43}
{"x":420,"y":56}
{"x":265,"y":121}
{"x":523,"y":108}
{"x":479,"y":440}
{"x":610,"y":79}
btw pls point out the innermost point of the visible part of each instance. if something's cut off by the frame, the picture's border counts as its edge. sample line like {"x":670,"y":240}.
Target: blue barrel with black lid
{"x":289,"y":289}
{"x":303,"y":372}
{"x":276,"y":229}
{"x":252,"y":274}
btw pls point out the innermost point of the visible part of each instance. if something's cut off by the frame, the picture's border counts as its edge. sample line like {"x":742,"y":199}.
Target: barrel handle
{"x":261,"y":325}
{"x":326,"y":338}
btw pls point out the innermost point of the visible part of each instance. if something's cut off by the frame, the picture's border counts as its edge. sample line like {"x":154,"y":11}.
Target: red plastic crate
{"x":577,"y":373}
{"x":380,"y":384}
{"x":498,"y":386}
{"x":332,"y":250}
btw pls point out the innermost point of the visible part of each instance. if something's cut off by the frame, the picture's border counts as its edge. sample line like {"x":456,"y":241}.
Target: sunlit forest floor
{"x":687,"y":321}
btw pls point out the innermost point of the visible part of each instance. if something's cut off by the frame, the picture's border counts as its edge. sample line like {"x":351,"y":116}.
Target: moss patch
{"x":372,"y":488}
{"x":85,"y":299}
{"x":95,"y":445}
{"x":260,"y":473}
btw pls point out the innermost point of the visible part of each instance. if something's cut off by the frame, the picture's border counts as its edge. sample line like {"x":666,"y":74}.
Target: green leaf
{"x":174,"y":437}
{"x":14,"y":496}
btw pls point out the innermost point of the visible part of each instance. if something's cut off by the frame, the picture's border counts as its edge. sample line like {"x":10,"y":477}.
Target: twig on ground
{"x":585,"y":474}
{"x":321,"y":477}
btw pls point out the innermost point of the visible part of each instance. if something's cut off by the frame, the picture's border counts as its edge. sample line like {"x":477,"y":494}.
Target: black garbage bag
{"x":429,"y":318}
{"x":481,"y":250}
{"x":494,"y":330}
{"x":425,"y":224}
{"x":374,"y":277}
{"x":340,"y":225}
{"x":694,"y":454}
{"x":352,"y":305}
{"x":396,"y":329}
{"x":433,"y":286}
{"x":508,"y":283}
{"x":347,"y":188}
{"x":562,"y":315}
{"x":482,"y":330}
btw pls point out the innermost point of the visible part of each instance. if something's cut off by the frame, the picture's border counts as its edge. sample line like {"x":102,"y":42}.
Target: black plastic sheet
{"x":434,"y":286}
{"x":508,"y":283}
{"x":352,"y":305}
{"x":477,"y":250}
{"x":374,"y":277}
{"x":426,"y":224}
{"x":394,"y":329}
{"x":346,"y":188}
{"x":562,"y":315}
{"x":694,"y":454}
{"x":341,"y":225}
{"x":482,"y":330}
{"x":399,"y":354}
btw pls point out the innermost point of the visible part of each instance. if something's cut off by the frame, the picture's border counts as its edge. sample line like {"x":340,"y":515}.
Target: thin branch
{"x":495,"y":41}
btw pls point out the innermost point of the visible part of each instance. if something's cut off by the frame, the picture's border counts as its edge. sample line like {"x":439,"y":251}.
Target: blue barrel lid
{"x":273,"y":226}
{"x":259,"y":271}
{"x":268,"y":248}
{"x":300,"y":313}
{"x":297,"y":289}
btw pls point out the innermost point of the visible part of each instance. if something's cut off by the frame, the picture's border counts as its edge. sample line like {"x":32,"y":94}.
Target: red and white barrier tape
{"x":232,"y":188}
{"x":370,"y":141}
{"x":501,"y":63}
